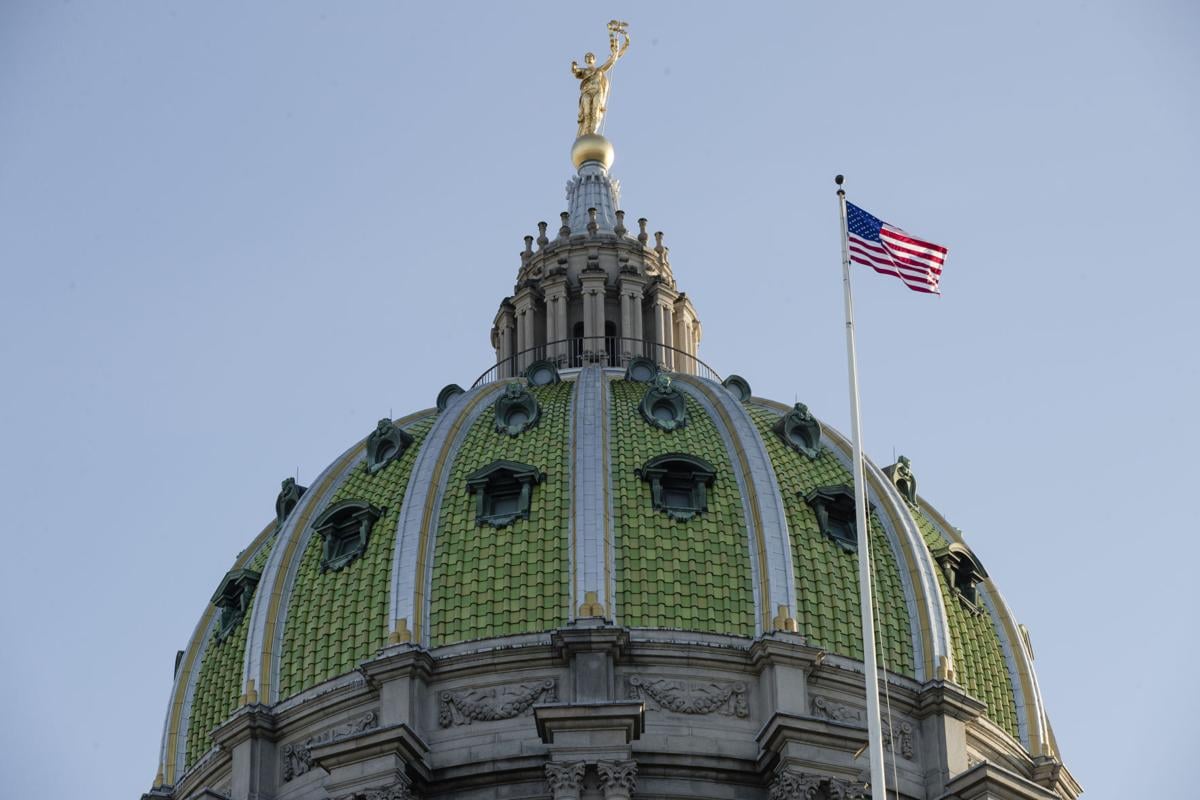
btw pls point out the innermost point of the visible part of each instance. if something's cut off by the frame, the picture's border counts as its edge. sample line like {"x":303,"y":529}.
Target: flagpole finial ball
{"x":838,"y":179}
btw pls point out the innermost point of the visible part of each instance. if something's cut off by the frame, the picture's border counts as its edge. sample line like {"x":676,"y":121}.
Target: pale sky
{"x":233,"y":238}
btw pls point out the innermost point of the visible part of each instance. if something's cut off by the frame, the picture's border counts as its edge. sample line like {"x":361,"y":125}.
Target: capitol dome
{"x":601,"y":570}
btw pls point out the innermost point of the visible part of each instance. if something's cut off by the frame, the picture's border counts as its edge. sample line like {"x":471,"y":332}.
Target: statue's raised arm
{"x":593,"y":82}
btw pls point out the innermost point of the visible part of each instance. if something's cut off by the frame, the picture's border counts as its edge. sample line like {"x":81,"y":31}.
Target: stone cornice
{"x":398,"y":740}
{"x":987,"y":781}
{"x":943,"y":697}
{"x":783,"y":729}
{"x":398,"y":661}
{"x":569,"y":641}
{"x":557,"y":718}
{"x":248,"y":722}
{"x":784,"y":649}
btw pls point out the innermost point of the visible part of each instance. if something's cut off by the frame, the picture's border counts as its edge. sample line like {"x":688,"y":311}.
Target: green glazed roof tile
{"x":219,"y":684}
{"x":503,"y":581}
{"x":691,"y":575}
{"x":826,"y":575}
{"x":355,"y":598}
{"x":978,"y":656}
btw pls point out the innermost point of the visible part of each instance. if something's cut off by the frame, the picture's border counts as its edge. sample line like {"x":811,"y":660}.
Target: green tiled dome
{"x":753,"y":561}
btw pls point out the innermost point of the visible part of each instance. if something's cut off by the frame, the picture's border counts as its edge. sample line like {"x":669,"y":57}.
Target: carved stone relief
{"x":497,"y":702}
{"x":297,"y":757}
{"x":803,"y":786}
{"x":690,"y":697}
{"x":900,"y":735}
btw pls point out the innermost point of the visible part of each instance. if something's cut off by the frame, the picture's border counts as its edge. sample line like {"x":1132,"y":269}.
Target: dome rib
{"x":269,"y":614}
{"x":591,"y":517}
{"x":1032,"y":720}
{"x":929,"y":628}
{"x":771,"y":557}
{"x":173,"y":752}
{"x":412,"y":562}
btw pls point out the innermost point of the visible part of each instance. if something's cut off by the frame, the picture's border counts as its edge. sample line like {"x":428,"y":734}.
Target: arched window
{"x":233,"y":598}
{"x":679,"y":484}
{"x":963,"y":571}
{"x":346,"y":528}
{"x":577,"y":345}
{"x":834,"y":507}
{"x":610,"y":342}
{"x":503,"y":490}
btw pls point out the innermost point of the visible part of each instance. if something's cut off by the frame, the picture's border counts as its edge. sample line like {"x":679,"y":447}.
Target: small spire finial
{"x":542,"y":240}
{"x":564,"y":231}
{"x":593,"y":226}
{"x":620,"y":229}
{"x":643,"y":237}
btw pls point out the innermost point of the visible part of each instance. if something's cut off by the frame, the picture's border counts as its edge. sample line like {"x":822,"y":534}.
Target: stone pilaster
{"x":944,"y":710}
{"x":250,"y":738}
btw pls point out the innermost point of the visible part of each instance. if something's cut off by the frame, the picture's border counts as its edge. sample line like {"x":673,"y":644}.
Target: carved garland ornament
{"x":297,"y":757}
{"x":499,"y":702}
{"x":686,"y":697}
{"x":901,"y":736}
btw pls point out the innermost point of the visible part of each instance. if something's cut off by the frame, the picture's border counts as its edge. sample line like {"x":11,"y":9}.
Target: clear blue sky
{"x":233,"y":238}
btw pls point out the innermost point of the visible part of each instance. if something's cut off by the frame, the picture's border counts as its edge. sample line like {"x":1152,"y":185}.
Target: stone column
{"x":555,"y":292}
{"x":592,"y":284}
{"x":504,"y":331}
{"x":631,"y":317}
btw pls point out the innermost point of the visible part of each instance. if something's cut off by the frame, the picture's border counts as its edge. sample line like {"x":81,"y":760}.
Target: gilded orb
{"x":592,"y":147}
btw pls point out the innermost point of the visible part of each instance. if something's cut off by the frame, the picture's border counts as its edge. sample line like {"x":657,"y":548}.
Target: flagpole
{"x":874,"y":728}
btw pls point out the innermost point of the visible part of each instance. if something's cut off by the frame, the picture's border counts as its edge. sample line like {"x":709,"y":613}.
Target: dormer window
{"x":346,"y":528}
{"x":233,"y":598}
{"x":679,"y":484}
{"x":385,"y":444}
{"x":963,"y":571}
{"x":503,"y":490}
{"x":834,"y":507}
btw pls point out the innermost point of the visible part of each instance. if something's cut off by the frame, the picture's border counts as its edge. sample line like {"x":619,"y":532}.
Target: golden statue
{"x":593,"y":82}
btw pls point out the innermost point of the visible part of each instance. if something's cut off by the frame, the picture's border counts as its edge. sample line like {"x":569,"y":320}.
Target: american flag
{"x":889,"y":250}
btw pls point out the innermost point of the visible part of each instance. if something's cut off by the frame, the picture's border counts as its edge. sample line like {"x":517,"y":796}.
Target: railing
{"x":608,"y":351}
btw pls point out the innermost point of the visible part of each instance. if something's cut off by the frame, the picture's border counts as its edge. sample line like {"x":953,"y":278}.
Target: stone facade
{"x":773,"y":718}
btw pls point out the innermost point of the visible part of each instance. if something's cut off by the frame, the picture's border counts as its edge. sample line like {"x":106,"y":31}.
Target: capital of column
{"x":618,"y":779}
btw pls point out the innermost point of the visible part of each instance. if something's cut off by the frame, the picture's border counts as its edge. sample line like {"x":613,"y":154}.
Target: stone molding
{"x":789,"y":785}
{"x":618,"y":779}
{"x":690,"y":697}
{"x":465,"y":706}
{"x":987,"y":781}
{"x":296,"y":758}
